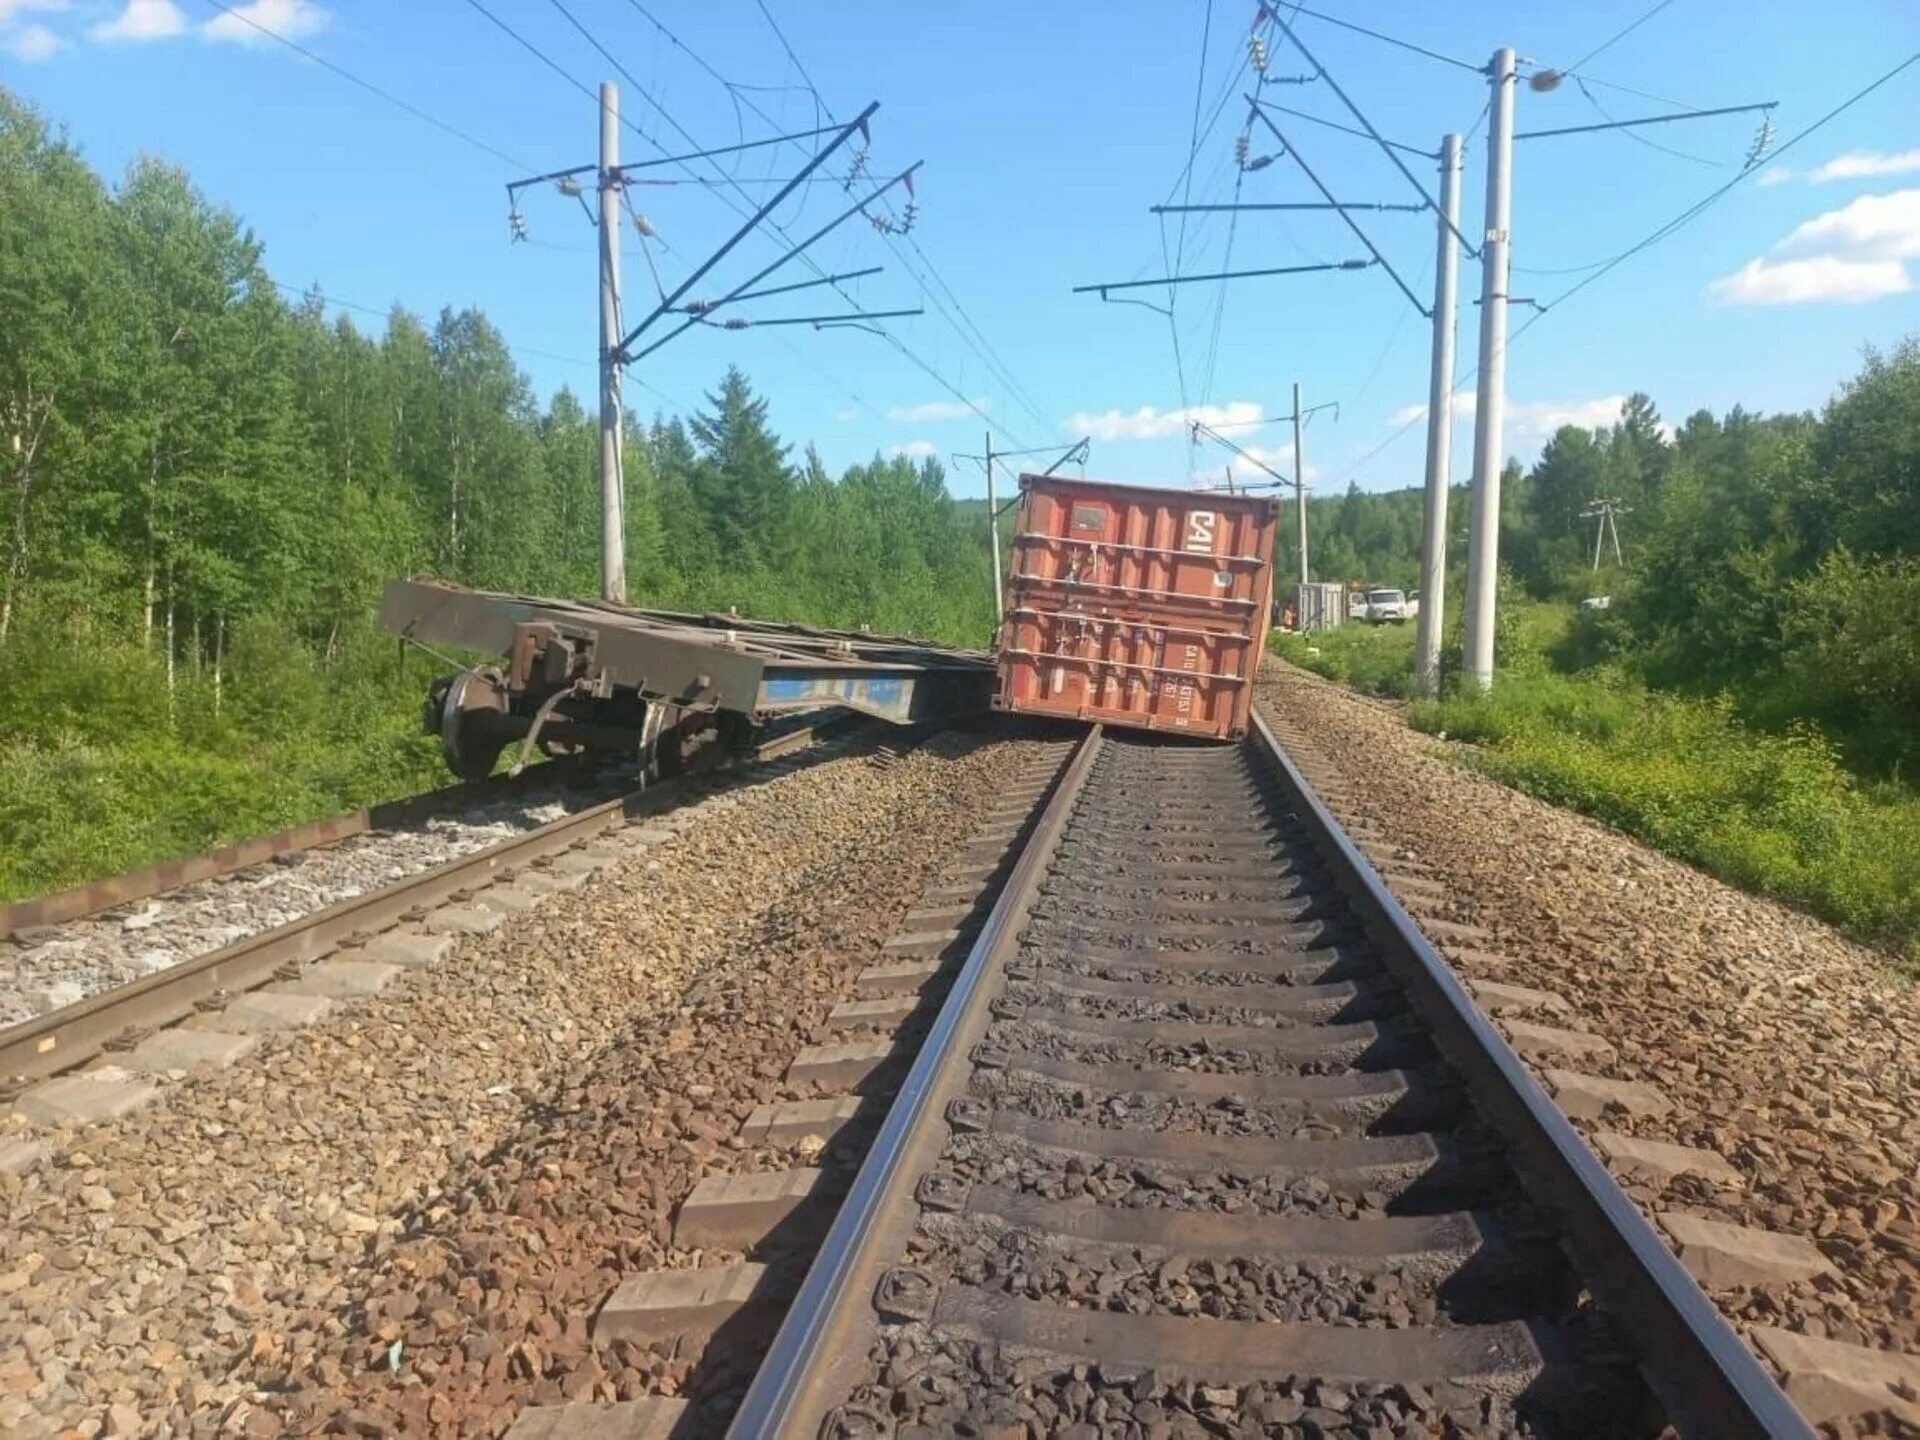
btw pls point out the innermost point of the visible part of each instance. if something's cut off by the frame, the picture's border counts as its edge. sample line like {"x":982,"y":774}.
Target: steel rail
{"x":805,"y":1338}
{"x":74,"y":1034}
{"x":1710,"y":1382}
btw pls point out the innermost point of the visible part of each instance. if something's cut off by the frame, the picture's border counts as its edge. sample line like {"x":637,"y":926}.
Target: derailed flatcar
{"x":589,"y":677}
{"x":1139,"y":607}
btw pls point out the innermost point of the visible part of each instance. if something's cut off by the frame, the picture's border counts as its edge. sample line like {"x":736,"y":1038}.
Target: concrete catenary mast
{"x":1489,"y":410}
{"x":1433,"y":539}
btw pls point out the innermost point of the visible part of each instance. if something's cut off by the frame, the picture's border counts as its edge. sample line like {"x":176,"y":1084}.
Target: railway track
{"x":58,"y":949}
{"x":1158,"y":1117}
{"x":1198,"y":1136}
{"x":79,"y":902}
{"x":211,"y":1007}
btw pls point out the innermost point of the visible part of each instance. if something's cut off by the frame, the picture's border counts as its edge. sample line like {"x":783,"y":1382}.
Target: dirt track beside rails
{"x":495,"y":1140}
{"x":1784,"y":1047}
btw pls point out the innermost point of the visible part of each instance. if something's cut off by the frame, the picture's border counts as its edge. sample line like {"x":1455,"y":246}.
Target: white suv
{"x":1384,"y":605}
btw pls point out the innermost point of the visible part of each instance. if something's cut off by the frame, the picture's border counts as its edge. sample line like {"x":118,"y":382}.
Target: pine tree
{"x":646,"y":531}
{"x":688,"y":552}
{"x":742,"y":482}
{"x":569,"y":499}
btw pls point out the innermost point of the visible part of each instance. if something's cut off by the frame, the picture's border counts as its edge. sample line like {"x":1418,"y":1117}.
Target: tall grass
{"x":1374,"y":659}
{"x":1773,"y":810}
{"x":1774,"y":813}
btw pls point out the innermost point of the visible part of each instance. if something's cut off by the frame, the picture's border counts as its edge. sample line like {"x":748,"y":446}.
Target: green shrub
{"x":1775,"y":813}
{"x":69,"y":681}
{"x":98,"y":773}
{"x":1852,"y":654}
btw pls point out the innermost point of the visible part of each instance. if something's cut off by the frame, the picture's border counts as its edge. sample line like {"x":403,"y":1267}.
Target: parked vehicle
{"x":1135,"y":606}
{"x":1394,"y":607}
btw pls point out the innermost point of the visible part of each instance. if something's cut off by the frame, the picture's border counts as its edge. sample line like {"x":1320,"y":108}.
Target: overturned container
{"x":1137,"y":607}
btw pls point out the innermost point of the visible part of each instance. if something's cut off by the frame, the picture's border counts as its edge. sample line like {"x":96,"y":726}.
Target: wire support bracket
{"x":1350,"y":222}
{"x":1101,"y":290}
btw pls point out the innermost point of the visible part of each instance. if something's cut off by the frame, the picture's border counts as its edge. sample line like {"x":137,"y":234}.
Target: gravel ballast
{"x":925,"y":1386}
{"x":1782,"y":1046}
{"x":49,"y":966}
{"x":402,"y":1220}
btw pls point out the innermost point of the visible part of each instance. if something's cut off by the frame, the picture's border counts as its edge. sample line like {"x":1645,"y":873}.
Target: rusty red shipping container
{"x":1135,"y":606}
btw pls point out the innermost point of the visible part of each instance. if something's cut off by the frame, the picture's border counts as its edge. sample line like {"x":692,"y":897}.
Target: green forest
{"x":1776,"y":558}
{"x":1749,"y":698}
{"x":207,"y":481}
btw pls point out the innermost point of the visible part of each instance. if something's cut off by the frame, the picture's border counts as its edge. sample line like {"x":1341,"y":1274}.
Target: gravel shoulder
{"x":400,"y":1220}
{"x":1784,"y":1047}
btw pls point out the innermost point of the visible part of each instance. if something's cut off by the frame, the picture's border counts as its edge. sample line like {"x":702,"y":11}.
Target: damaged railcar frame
{"x":590,"y":676}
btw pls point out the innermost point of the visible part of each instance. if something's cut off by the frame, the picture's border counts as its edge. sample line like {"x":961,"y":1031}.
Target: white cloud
{"x":1854,"y":165}
{"x":1846,"y":256}
{"x":913,"y":450}
{"x":11,"y":9}
{"x":1871,"y":227}
{"x":1867,"y":164}
{"x":1800,"y":282}
{"x":933,"y":410}
{"x":32,"y":44}
{"x":1540,"y":418}
{"x":142,"y":20}
{"x":1149,"y":423}
{"x":289,"y":19}
{"x":1531,"y":420}
{"x":1274,"y":457}
{"x":843,"y":416}
{"x":1407,"y":414}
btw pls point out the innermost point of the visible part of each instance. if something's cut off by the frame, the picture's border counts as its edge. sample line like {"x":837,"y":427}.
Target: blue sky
{"x":1047,"y":130}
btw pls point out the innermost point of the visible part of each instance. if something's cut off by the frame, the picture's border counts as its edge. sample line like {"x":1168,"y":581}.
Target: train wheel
{"x":669,"y":759}
{"x":738,"y":733}
{"x":686,"y":742}
{"x":468,"y":742}
{"x":659,"y":747}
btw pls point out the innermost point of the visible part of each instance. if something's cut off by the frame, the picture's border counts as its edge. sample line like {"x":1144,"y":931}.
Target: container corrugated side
{"x":1137,"y":607}
{"x":1320,"y":605}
